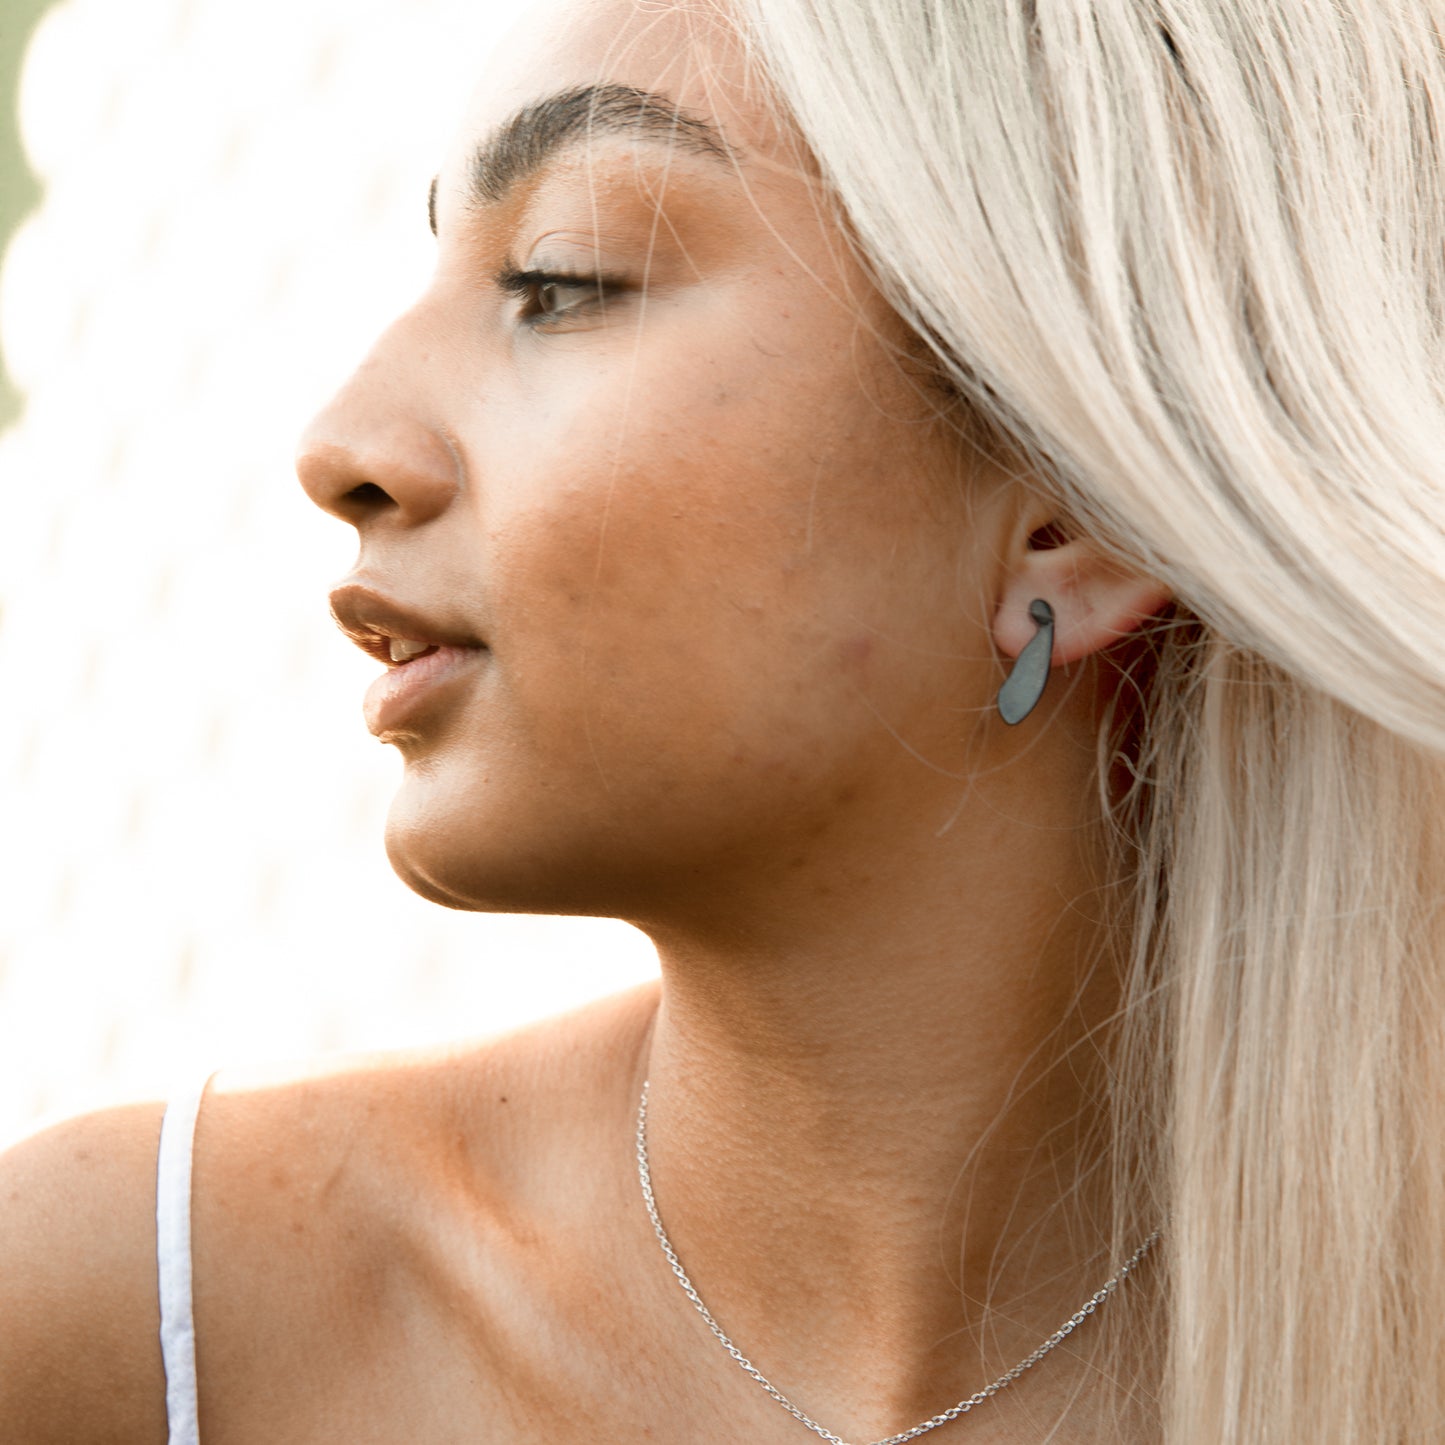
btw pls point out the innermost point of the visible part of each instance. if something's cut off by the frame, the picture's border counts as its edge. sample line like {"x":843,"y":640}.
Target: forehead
{"x":686,"y":54}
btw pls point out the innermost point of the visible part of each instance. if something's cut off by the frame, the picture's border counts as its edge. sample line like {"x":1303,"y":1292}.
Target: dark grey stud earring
{"x":1024,"y":685}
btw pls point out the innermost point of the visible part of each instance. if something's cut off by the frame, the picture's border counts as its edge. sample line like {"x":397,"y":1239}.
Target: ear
{"x":1096,"y":599}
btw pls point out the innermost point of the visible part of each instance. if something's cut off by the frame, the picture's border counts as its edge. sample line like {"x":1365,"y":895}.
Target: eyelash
{"x":527,"y":286}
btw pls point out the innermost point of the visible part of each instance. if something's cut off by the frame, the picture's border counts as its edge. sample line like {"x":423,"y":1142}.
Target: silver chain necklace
{"x":644,"y":1173}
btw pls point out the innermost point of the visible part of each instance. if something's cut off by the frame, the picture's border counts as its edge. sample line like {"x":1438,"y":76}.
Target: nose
{"x":376,"y":450}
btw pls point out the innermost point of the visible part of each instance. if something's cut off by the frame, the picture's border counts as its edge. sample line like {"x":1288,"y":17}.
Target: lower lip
{"x":400,"y":691}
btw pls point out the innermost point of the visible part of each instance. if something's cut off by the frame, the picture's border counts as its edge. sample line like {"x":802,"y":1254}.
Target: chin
{"x":425,"y":883}
{"x":459,"y":876}
{"x":493,"y":843}
{"x":465,"y":860}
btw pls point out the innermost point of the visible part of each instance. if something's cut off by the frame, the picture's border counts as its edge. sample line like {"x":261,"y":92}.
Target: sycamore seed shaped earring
{"x":1024,"y":685}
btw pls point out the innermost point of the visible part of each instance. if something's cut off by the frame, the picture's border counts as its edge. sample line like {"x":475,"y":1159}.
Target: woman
{"x":934,"y":512}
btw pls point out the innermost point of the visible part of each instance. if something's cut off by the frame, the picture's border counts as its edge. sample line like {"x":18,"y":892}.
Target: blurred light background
{"x":212,"y":208}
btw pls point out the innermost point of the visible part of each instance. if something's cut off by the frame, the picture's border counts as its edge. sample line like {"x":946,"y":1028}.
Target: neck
{"x":943,"y":1064}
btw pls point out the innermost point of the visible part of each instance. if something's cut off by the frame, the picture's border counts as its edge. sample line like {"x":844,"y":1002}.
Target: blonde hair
{"x":1188,"y":258}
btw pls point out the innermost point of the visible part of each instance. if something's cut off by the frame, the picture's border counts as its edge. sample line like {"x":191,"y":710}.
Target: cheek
{"x":633,"y":610}
{"x":639,"y":515}
{"x":691,"y":620}
{"x":704,"y":565}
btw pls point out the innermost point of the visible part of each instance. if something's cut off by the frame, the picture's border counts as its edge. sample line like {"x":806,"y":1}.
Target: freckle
{"x":503,"y":1099}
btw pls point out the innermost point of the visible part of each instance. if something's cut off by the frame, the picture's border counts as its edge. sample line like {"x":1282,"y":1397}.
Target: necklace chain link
{"x":644,"y":1174}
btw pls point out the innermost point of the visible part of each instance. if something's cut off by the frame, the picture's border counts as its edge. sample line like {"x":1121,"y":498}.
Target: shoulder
{"x":360,"y":1133}
{"x":362,"y":1208}
{"x":79,"y":1314}
{"x":335,"y":1209}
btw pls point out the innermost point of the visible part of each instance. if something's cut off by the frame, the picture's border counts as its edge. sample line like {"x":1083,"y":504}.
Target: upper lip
{"x":371,"y":620}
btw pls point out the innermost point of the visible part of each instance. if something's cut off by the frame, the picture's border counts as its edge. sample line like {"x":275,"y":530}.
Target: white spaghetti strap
{"x":173,"y":1261}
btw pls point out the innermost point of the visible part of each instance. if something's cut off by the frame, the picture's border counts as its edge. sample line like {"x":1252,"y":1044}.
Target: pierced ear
{"x":1095,"y":598}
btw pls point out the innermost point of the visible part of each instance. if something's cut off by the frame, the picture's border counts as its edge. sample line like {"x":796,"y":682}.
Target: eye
{"x":550,"y":299}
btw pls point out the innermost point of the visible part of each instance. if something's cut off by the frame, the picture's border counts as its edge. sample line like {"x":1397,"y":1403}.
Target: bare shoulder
{"x":345,"y":1216}
{"x":332,"y":1208}
{"x":266,"y":1137}
{"x":79,"y":1313}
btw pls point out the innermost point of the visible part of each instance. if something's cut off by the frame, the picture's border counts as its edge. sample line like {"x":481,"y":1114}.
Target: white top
{"x":173,"y":1264}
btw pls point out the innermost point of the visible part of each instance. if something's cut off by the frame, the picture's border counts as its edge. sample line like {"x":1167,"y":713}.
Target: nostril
{"x":368,"y":495}
{"x":362,"y":502}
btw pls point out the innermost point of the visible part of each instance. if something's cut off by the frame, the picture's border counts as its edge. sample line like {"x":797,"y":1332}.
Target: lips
{"x":405,"y":699}
{"x":390,"y":632}
{"x":423,"y":653}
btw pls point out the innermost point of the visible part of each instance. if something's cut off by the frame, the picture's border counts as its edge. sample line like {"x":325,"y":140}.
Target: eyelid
{"x":516,"y":281}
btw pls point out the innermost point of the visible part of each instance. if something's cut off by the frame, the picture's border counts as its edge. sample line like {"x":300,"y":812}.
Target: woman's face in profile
{"x":644,"y":458}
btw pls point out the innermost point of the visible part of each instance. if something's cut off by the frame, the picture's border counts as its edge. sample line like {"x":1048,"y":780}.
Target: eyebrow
{"x":524,"y":143}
